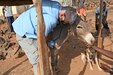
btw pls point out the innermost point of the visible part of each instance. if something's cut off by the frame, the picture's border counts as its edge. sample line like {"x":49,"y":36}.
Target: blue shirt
{"x":98,"y":10}
{"x":26,"y":23}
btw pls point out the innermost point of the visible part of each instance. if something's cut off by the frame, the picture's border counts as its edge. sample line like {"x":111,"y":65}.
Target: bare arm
{"x":104,"y":52}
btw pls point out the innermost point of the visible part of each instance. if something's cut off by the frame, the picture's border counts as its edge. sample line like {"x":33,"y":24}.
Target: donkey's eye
{"x":79,"y":26}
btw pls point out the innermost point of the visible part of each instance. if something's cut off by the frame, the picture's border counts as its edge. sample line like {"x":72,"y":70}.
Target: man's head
{"x":67,"y":15}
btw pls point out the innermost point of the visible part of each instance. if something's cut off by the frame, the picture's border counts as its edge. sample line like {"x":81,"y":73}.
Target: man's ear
{"x":61,"y":12}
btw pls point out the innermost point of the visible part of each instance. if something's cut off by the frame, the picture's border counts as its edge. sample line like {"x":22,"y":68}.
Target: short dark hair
{"x":71,"y":12}
{"x":68,"y":8}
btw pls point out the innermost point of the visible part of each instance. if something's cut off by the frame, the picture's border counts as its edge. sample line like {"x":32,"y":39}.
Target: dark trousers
{"x":73,"y":3}
{"x":104,"y":22}
{"x":10,"y":20}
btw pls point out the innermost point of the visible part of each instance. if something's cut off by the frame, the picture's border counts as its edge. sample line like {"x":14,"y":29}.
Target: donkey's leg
{"x":54,"y":60}
{"x":83,"y":57}
{"x":97,"y":61}
{"x":89,"y":60}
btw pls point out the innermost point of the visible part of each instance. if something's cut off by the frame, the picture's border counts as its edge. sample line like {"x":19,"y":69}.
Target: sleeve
{"x":106,"y":10}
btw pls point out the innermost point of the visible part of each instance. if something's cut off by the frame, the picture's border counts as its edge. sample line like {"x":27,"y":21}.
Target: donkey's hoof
{"x":91,"y":68}
{"x":100,"y":69}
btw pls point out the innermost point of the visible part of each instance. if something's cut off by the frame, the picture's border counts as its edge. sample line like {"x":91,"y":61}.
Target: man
{"x":104,"y":17}
{"x":7,"y":13}
{"x":73,"y":2}
{"x":25,"y":27}
{"x":81,"y":9}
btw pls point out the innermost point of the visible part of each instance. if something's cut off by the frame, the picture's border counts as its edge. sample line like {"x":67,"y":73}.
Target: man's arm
{"x":104,"y":52}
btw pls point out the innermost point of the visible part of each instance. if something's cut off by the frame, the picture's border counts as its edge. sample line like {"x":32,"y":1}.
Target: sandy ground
{"x":70,"y":62}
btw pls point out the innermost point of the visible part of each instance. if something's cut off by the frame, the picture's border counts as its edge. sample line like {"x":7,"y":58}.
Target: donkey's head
{"x":83,"y":32}
{"x":78,"y":26}
{"x":74,"y":24}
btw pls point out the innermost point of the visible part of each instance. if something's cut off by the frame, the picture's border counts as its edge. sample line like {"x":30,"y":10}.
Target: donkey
{"x":78,"y":28}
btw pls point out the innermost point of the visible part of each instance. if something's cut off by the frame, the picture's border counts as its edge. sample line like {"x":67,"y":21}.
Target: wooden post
{"x":44,"y":65}
{"x":100,"y":25}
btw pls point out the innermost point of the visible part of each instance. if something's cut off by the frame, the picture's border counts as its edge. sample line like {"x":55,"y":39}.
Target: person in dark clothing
{"x":8,"y":15}
{"x":104,"y":17}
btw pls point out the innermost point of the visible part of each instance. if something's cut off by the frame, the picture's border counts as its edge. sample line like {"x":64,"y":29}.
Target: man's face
{"x":65,"y":16}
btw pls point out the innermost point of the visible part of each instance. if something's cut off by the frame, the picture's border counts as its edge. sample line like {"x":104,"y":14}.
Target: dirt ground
{"x":70,"y":62}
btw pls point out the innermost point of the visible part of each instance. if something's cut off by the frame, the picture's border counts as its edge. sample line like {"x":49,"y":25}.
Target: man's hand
{"x":104,"y":14}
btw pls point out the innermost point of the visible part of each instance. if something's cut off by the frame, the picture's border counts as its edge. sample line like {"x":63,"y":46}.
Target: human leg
{"x":96,"y":23}
{"x":105,"y":25}
{"x":97,"y":28}
{"x":30,"y":48}
{"x":73,"y":2}
{"x":8,"y":23}
{"x":35,"y":69}
{"x":104,"y":22}
{"x":10,"y":20}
